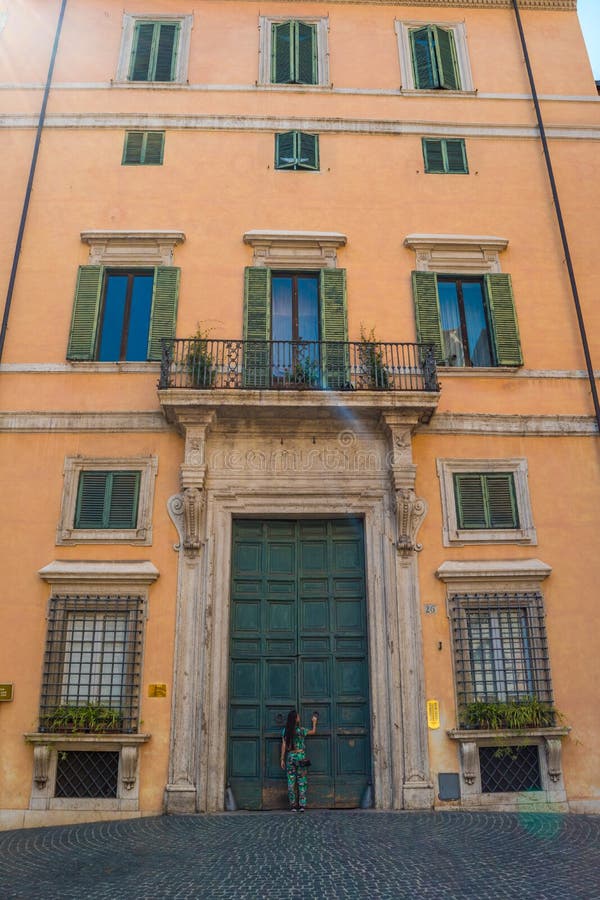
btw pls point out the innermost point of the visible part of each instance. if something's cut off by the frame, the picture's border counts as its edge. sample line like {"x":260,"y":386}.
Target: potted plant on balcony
{"x":93,"y":718}
{"x":199,"y":363}
{"x":372,"y":365}
{"x":528,"y":712}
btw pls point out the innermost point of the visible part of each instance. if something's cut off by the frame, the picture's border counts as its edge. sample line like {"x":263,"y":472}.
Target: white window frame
{"x":66,"y":533}
{"x":452,"y":535}
{"x":403,"y":29}
{"x":265,"y":30}
{"x":130,"y":20}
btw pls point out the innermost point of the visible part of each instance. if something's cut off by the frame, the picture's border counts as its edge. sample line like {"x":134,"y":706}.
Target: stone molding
{"x":186,"y":23}
{"x":265,"y":43}
{"x":65,"y":574}
{"x":464,"y":573}
{"x":525,"y":426}
{"x":450,"y":253}
{"x":298,"y":249}
{"x":135,"y":248}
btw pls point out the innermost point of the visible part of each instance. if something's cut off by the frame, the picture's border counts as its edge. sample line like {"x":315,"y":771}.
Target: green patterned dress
{"x":296,"y":773}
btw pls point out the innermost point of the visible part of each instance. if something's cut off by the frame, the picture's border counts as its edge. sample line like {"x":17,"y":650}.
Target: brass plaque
{"x":157,"y":690}
{"x":433,"y":713}
{"x":6,"y":691}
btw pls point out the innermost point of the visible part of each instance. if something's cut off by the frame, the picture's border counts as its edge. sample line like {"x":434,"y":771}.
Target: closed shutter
{"x":422,"y":50}
{"x":457,"y":157}
{"x":470,"y":501}
{"x":308,"y":150}
{"x":500,"y":490}
{"x":334,"y":327}
{"x":306,"y":53}
{"x":486,"y":500}
{"x":123,"y":501}
{"x":142,"y":52}
{"x":282,"y":66}
{"x":164,"y":308}
{"x":86,"y":308}
{"x":155,"y":142}
{"x":505,"y":328}
{"x":165,"y":64}
{"x":285,"y":150}
{"x":256,"y":371}
{"x":133,"y":149}
{"x":107,"y":500}
{"x":446,"y":58}
{"x":427,"y":312}
{"x":433,"y":155}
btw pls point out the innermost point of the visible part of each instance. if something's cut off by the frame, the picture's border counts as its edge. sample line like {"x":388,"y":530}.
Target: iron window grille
{"x":507,"y":769}
{"x":87,"y":774}
{"x":92,"y":664}
{"x":500,"y":648}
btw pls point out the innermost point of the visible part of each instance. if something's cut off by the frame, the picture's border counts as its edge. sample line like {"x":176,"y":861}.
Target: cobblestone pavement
{"x":313,"y":856}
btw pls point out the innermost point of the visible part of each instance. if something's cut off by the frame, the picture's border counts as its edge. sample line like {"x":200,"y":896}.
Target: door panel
{"x":298,"y":639}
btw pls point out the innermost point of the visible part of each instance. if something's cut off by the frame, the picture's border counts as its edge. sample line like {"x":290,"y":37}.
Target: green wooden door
{"x":298,"y":639}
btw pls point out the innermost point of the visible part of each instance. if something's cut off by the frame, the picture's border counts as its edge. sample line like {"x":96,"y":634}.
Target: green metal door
{"x":298,"y":639}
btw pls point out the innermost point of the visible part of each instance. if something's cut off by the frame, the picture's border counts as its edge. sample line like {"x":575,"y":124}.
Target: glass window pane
{"x":139,"y":318}
{"x":453,"y":346}
{"x":477,"y":330}
{"x":308,"y":309}
{"x":113,"y":318}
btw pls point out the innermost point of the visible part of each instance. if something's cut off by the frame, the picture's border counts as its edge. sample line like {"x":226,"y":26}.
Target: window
{"x":485,"y":501}
{"x":293,"y":51}
{"x":122,"y":314}
{"x":296,"y":150}
{"x":470,"y":321}
{"x":143,"y":148}
{"x":107,"y":500}
{"x":154,"y":49}
{"x":93,"y":660}
{"x":445,"y":156}
{"x":434,"y":56}
{"x":500,"y":647}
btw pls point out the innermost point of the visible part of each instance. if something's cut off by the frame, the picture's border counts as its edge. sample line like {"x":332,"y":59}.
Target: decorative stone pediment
{"x":132,"y":248}
{"x":450,"y":253}
{"x":295,"y":249}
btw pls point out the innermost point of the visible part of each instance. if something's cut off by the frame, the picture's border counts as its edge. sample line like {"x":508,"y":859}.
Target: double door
{"x":298,"y":640}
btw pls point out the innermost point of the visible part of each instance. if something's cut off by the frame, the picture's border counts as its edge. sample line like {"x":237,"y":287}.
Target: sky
{"x":589,"y":16}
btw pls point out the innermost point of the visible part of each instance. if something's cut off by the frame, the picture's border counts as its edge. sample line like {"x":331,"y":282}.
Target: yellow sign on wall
{"x":6,"y":692}
{"x":433,"y":713}
{"x":157,"y":690}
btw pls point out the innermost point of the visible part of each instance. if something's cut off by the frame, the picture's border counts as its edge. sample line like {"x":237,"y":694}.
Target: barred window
{"x":92,"y":664}
{"x":500,"y":647}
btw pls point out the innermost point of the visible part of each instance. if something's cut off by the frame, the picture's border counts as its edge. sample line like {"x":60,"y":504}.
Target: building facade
{"x":294,"y":406}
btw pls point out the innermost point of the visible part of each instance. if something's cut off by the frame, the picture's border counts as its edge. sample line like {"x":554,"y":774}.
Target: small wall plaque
{"x":430,"y":609}
{"x":6,"y":692}
{"x":433,"y":713}
{"x":157,"y":690}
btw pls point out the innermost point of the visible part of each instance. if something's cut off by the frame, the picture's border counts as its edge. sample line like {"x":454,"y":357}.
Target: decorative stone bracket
{"x":410,"y":512}
{"x":193,"y":476}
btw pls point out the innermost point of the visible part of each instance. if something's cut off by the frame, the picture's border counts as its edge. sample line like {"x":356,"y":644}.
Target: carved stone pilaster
{"x":554,"y":757}
{"x":410,"y":512}
{"x":193,"y":504}
{"x":470,"y":760}
{"x":41,"y":765}
{"x":129,"y":765}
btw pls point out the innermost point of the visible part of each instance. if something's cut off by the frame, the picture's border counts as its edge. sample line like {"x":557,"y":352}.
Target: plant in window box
{"x":371,"y":362}
{"x":512,"y":714}
{"x":304,"y":372}
{"x":198,"y":359}
{"x":92,"y":718}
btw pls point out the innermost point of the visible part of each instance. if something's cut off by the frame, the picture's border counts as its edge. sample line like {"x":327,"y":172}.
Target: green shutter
{"x":122,"y":505}
{"x":86,"y":307}
{"x":256,"y":372}
{"x":164,"y":308}
{"x":427,"y":312}
{"x":445,"y":52}
{"x":470,"y":501}
{"x":133,"y":149}
{"x":154,"y":147}
{"x":423,"y":58}
{"x":142,"y":51}
{"x":107,"y":500}
{"x":308,"y":150}
{"x":164,"y":64}
{"x":486,"y":500}
{"x":282,"y":41}
{"x":306,"y":53}
{"x":91,"y":498}
{"x":285,"y":150}
{"x":143,"y":148}
{"x":505,"y":329}
{"x":501,"y":500}
{"x":456,"y":157}
{"x":334,"y":327}
{"x":433,"y":155}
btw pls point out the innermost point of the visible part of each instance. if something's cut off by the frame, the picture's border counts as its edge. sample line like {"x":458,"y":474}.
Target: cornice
{"x":559,"y":5}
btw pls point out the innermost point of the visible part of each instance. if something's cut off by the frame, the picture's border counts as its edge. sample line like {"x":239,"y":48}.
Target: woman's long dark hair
{"x":290,"y":729}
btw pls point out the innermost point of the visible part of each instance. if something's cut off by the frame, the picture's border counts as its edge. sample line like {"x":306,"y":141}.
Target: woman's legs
{"x":302,"y":786}
{"x":291,"y":770}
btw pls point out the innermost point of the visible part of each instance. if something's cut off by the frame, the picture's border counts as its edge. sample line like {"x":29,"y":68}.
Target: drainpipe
{"x":559,"y":216}
{"x":34,"y":157}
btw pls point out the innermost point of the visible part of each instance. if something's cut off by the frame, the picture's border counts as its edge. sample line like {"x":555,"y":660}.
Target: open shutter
{"x":422,"y":51}
{"x":457,"y":157}
{"x":505,"y":328}
{"x":86,"y":308}
{"x":445,"y":52}
{"x":132,"y":152}
{"x":282,"y":67}
{"x":470,"y":501}
{"x":308,"y":150}
{"x":256,"y":372}
{"x":427,"y":312}
{"x":164,"y":308}
{"x":334,"y":327}
{"x":155,"y":142}
{"x":306,"y":53}
{"x":123,"y":504}
{"x":285,"y":150}
{"x":433,"y":155}
{"x":501,"y":500}
{"x":165,"y":60}
{"x":142,"y":51}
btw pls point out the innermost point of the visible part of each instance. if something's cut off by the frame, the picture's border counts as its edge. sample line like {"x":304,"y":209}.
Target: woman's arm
{"x":314,"y":726}
{"x":282,"y":753}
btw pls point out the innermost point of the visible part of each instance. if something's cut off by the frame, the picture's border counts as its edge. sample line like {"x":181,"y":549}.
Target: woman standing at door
{"x":294,"y":763}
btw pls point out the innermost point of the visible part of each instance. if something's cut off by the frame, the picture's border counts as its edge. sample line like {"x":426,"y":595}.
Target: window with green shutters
{"x":485,"y":500}
{"x":294,"y":53}
{"x":445,"y":156}
{"x":470,"y":321}
{"x":123,"y":314}
{"x":107,"y":500}
{"x":434,"y":58}
{"x":143,"y":148}
{"x":154,"y":51}
{"x":297,"y":150}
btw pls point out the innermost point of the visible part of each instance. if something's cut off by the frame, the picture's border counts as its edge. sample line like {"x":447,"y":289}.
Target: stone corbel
{"x":193,"y":504}
{"x":193,"y":475}
{"x":553,"y":757}
{"x":470,"y":760}
{"x":41,"y":765}
{"x":129,"y":765}
{"x":410,"y":512}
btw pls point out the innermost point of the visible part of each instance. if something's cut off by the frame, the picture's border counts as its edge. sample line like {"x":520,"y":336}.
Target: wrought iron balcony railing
{"x":204,"y":364}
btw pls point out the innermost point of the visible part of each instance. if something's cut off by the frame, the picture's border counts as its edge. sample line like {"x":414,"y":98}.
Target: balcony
{"x":207,"y":364}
